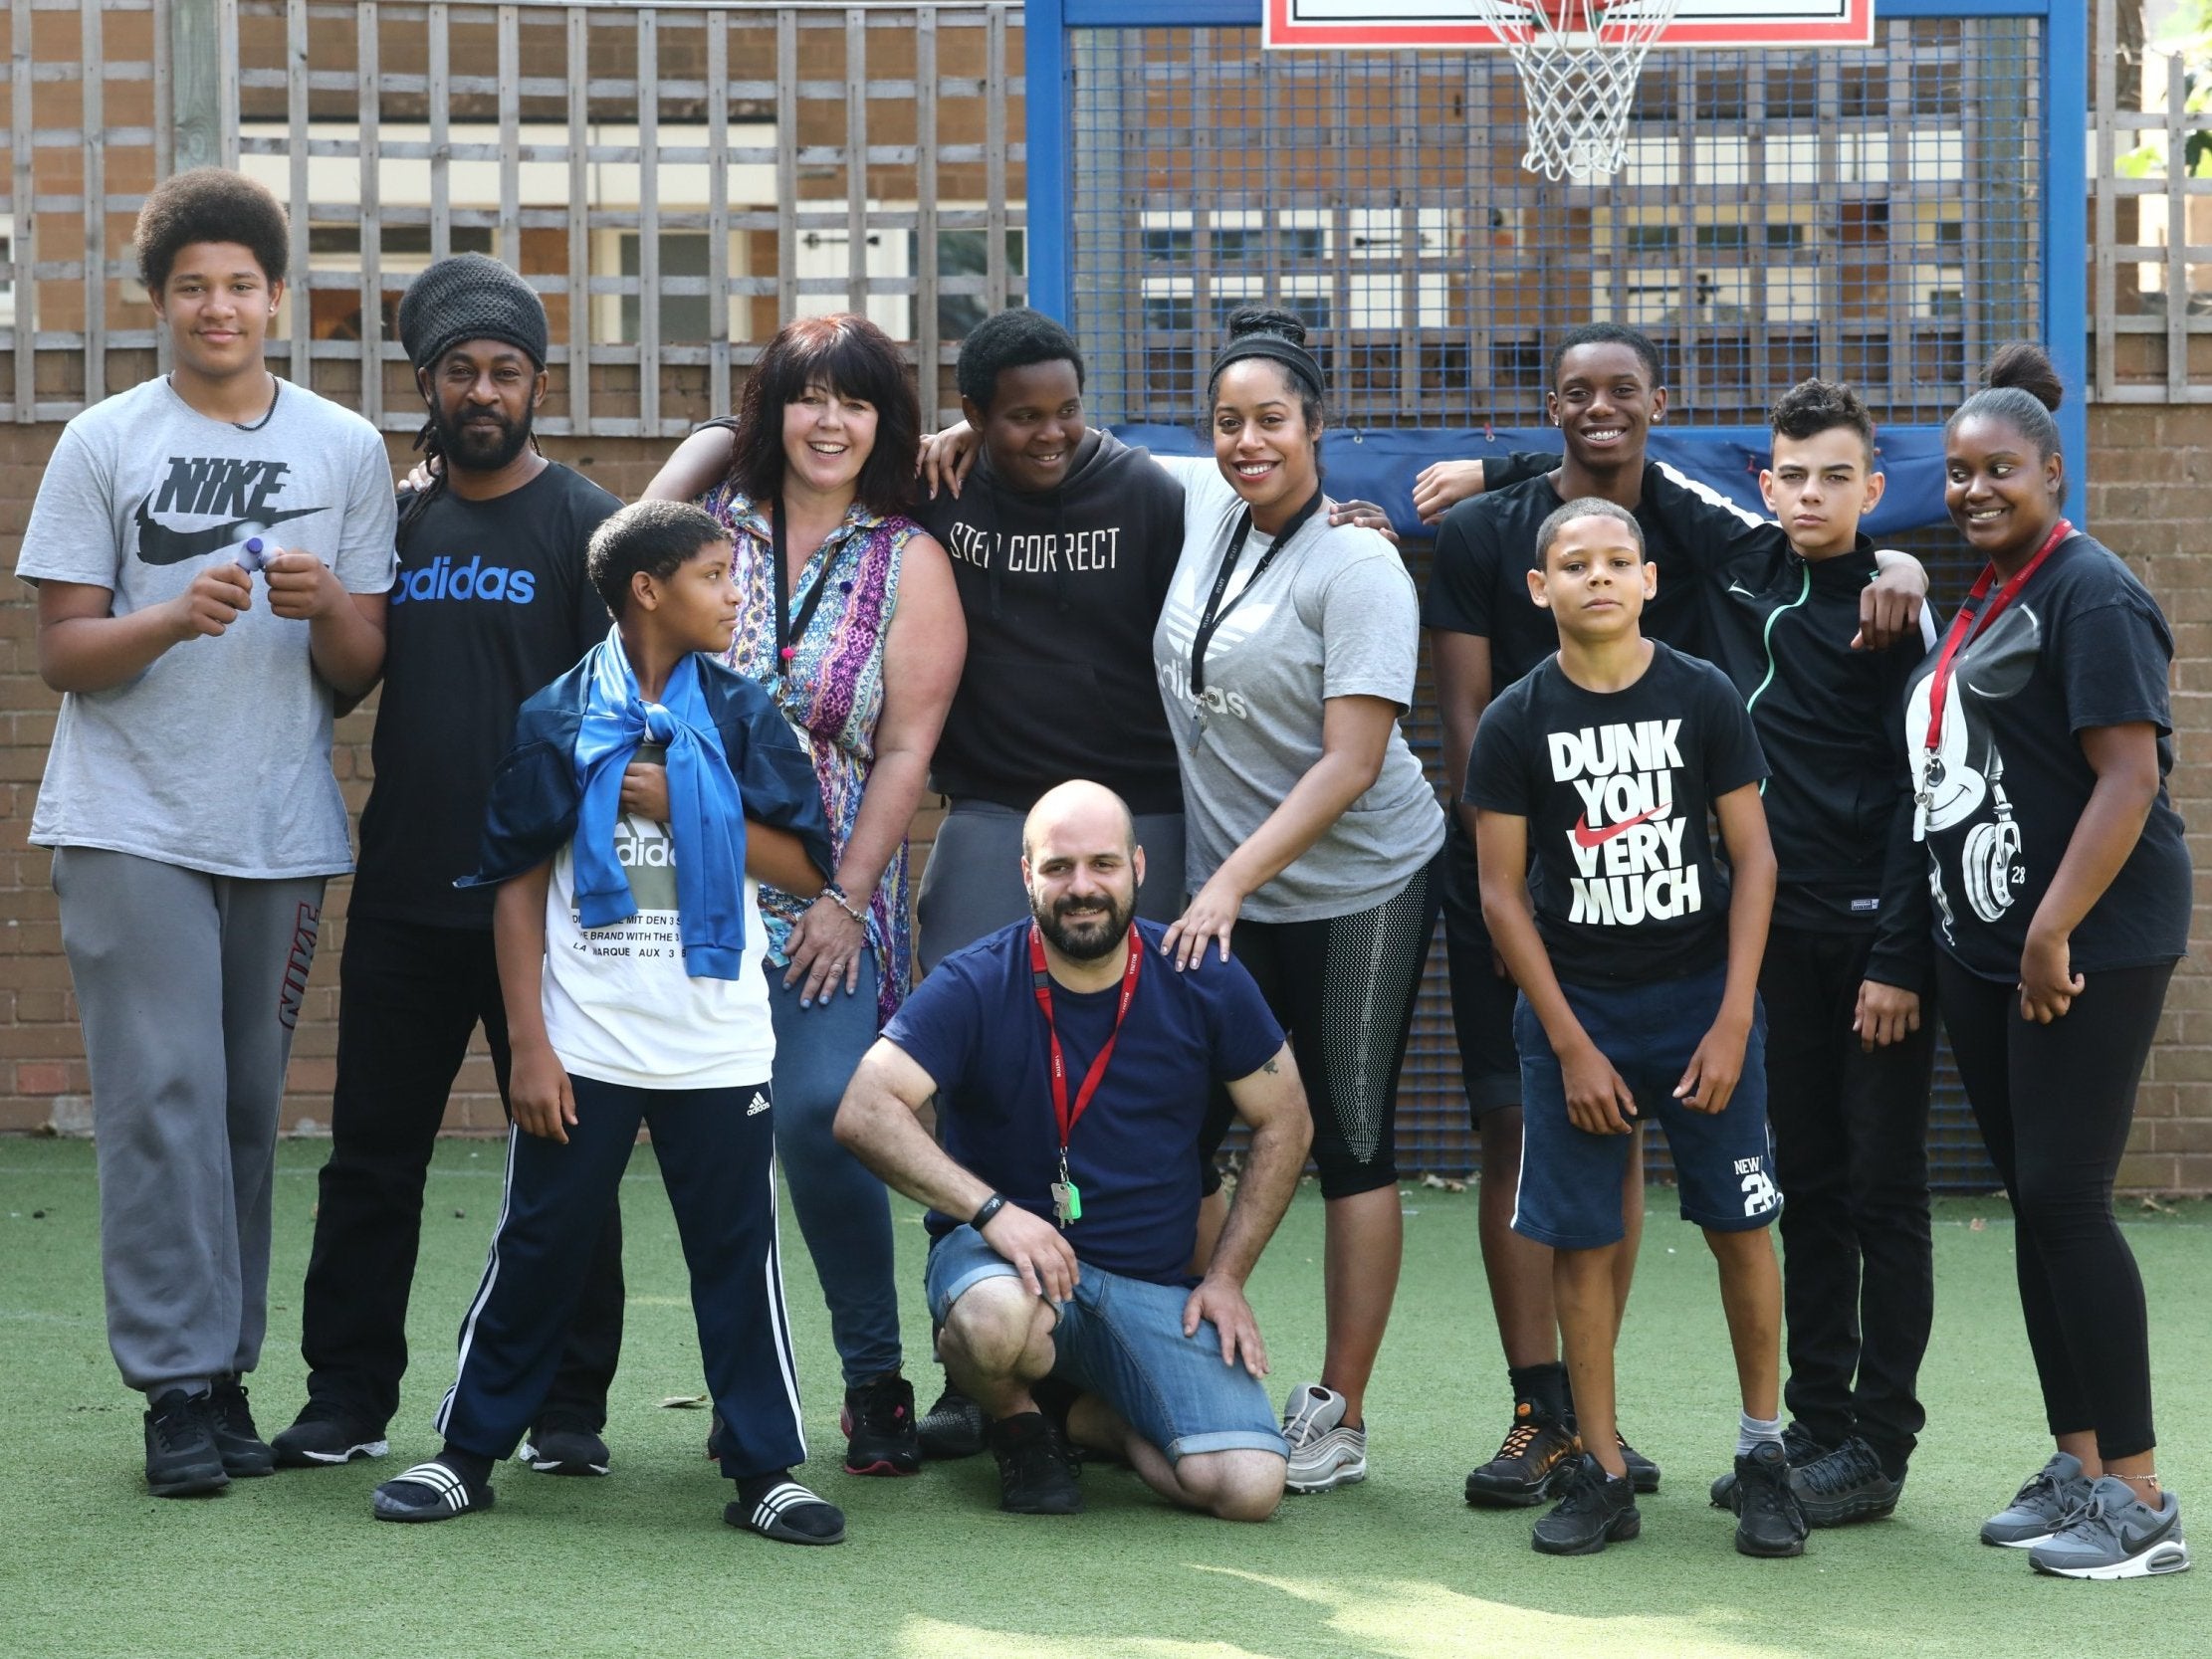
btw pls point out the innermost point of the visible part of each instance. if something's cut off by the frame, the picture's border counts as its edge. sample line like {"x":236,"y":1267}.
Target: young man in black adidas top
{"x":1608,"y":390}
{"x":491,"y":603}
{"x":1636,"y":953}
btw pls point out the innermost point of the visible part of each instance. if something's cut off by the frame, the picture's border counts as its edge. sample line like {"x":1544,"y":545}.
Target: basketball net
{"x":1579,"y":60}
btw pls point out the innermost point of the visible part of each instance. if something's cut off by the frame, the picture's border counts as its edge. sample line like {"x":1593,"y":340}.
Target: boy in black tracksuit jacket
{"x":1850,"y":1044}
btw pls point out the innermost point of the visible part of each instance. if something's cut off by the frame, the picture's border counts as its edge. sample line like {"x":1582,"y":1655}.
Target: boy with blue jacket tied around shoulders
{"x":645,"y":794}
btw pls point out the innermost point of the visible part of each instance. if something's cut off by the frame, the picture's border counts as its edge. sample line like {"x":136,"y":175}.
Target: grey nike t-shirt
{"x":218,"y":756}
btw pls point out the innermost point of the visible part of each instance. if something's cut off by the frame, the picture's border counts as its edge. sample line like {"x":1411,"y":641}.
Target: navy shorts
{"x":1570,"y":1190}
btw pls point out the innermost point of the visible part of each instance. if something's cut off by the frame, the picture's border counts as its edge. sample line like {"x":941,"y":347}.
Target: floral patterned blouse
{"x":831,"y":692}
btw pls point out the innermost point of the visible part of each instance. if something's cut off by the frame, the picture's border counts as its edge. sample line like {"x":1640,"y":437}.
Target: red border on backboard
{"x":1279,"y":31}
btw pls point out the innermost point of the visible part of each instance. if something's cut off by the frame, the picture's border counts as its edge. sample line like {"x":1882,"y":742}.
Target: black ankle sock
{"x":1543,"y":1386}
{"x":477,"y":1471}
{"x":752,"y":1488}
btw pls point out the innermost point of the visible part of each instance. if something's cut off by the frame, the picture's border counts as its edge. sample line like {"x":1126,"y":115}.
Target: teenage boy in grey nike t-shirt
{"x":189,"y":795}
{"x":217,"y":757}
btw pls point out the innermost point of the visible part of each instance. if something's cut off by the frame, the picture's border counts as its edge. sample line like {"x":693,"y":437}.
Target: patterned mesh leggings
{"x":1343,"y":987}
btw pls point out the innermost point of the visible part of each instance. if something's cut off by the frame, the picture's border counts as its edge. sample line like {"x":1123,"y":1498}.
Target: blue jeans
{"x":1122,"y":1339}
{"x":843,"y":1211}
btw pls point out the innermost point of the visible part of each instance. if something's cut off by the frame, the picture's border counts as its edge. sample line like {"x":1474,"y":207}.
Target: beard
{"x":480,"y":449}
{"x":1096,"y":931}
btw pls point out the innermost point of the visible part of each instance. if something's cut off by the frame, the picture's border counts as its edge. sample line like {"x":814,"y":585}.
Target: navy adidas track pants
{"x":717,"y":1154}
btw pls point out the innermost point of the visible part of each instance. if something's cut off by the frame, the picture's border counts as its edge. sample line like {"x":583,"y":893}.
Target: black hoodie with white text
{"x":1060,"y":589}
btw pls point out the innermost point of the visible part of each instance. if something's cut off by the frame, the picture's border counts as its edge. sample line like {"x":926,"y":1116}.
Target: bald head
{"x":1083,"y":866}
{"x":1082,"y":809}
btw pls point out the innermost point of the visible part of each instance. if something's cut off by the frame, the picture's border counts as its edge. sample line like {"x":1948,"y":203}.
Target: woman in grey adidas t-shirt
{"x":1287,"y":652}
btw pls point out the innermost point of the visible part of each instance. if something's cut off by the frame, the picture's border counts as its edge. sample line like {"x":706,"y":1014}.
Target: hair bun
{"x":2029,"y":368}
{"x":1266,"y":319}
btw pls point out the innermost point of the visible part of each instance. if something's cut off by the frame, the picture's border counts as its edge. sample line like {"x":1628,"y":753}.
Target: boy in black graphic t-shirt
{"x":1638,"y":957}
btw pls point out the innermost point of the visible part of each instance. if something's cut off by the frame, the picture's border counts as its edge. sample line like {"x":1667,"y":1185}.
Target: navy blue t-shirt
{"x":975,"y":1026}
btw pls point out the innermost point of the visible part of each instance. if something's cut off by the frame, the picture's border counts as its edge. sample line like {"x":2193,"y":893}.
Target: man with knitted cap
{"x":491,"y":604}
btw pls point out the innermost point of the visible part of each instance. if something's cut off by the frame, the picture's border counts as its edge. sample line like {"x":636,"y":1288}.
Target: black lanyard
{"x":787,"y":634}
{"x":1216,"y":612}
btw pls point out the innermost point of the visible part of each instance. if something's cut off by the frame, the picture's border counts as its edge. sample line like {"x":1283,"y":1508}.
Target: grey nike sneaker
{"x":2115,"y":1535}
{"x":1324,"y":1454}
{"x":2041,"y":1507}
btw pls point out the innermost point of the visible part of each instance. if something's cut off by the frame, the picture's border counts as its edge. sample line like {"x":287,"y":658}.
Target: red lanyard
{"x":1967,"y":626}
{"x":1042,"y":979}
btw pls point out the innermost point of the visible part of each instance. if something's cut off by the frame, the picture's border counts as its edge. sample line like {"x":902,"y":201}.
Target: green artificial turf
{"x":641,"y":1563}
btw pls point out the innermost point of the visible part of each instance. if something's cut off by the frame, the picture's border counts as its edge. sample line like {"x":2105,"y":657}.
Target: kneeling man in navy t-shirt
{"x":1071,"y":1068}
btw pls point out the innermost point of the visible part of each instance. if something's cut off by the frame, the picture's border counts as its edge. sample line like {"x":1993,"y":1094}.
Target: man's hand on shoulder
{"x":1038,"y":1250}
{"x":1442,"y":486}
{"x":1223,"y":1303}
{"x":1889,"y":605}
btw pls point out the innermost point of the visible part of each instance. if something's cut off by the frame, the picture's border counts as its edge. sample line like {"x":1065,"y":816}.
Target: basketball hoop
{"x":1579,"y":60}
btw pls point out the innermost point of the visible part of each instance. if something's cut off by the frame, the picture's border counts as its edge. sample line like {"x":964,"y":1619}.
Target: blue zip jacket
{"x":532,"y":812}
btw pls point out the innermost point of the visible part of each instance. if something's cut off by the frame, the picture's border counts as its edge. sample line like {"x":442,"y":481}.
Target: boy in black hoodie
{"x":1063,"y":545}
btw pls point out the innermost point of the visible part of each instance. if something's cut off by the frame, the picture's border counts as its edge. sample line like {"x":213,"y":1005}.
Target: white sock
{"x":1753,"y":1432}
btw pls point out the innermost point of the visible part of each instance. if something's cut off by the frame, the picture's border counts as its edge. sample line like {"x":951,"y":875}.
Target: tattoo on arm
{"x":1271,"y":1068}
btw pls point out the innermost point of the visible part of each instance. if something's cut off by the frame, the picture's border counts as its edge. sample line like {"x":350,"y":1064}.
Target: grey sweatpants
{"x":188,"y":987}
{"x":972,"y":884}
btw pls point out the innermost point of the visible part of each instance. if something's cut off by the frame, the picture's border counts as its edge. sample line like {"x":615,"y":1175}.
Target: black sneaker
{"x":778,"y":1506}
{"x":1797,"y":1446}
{"x":1596,"y":1509}
{"x":323,"y":1436}
{"x":183,"y":1456}
{"x":245,"y":1454}
{"x":1643,"y":1474}
{"x":1536,"y":1450}
{"x":953,"y":1427}
{"x":1035,"y":1476}
{"x":565,"y":1451}
{"x":433,"y":1491}
{"x":1768,"y":1520}
{"x":1845,"y":1486}
{"x":878,"y":1420}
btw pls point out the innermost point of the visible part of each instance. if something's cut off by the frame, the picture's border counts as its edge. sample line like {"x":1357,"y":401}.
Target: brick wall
{"x":2151,"y":500}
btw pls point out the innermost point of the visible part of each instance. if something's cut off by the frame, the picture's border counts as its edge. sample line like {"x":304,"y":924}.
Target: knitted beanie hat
{"x":465,"y":297}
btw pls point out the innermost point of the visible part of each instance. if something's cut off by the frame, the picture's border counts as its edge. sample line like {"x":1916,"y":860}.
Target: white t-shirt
{"x":218,"y":756}
{"x":620,"y":1008}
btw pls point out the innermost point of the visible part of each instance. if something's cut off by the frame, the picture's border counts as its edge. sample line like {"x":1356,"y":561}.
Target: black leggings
{"x":2054,"y":1103}
{"x":1344,"y":986}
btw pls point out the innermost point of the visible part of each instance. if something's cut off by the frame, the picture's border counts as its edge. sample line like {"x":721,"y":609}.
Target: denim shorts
{"x":1122,"y":1339}
{"x":1570,"y":1188}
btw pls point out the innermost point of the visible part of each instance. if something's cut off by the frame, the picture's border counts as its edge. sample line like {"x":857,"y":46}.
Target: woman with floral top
{"x":850,"y":618}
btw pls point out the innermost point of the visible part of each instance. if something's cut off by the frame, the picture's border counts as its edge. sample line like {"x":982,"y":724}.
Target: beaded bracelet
{"x":836,"y":896}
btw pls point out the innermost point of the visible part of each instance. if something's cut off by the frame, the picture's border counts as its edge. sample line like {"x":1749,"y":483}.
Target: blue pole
{"x":1051,"y":225}
{"x":2066,"y":234}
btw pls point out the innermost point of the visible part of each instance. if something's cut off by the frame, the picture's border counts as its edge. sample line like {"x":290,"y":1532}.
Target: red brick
{"x":41,"y":1078}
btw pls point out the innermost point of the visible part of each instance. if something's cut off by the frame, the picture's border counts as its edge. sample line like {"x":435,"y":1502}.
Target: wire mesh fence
{"x":1864,"y":214}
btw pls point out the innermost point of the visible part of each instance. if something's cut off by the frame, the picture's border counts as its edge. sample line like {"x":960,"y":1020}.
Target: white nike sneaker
{"x":1324,"y":1454}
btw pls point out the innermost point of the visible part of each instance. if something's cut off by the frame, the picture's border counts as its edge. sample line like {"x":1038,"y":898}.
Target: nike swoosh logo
{"x":1734,"y":587}
{"x":1585,"y":836}
{"x":160,"y":545}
